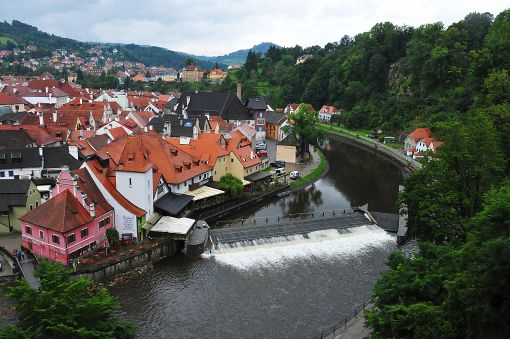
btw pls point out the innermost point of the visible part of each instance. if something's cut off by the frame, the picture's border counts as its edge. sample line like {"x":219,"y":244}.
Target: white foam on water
{"x":326,"y":245}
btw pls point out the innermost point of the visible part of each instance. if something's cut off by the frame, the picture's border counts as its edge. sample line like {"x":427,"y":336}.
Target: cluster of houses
{"x":75,"y":162}
{"x":100,"y":59}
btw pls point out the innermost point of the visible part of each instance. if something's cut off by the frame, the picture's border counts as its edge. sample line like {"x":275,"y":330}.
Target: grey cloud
{"x":221,"y":26}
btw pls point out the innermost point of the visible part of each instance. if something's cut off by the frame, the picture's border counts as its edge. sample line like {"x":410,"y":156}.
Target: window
{"x":2,"y":174}
{"x":104,"y":222}
{"x":71,"y":238}
{"x":36,"y":203}
{"x":231,"y":160}
{"x":130,"y":183}
{"x":30,"y":207}
{"x":28,"y":229}
{"x":4,"y":214}
{"x":84,"y":232}
{"x":11,"y":173}
{"x":41,"y":234}
{"x":55,"y":239}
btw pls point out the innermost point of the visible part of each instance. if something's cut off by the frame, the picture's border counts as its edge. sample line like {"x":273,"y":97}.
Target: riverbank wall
{"x":406,"y":163}
{"x":134,"y":261}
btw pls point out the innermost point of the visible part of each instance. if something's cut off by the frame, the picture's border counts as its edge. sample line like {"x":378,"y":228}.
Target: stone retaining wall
{"x":150,"y":256}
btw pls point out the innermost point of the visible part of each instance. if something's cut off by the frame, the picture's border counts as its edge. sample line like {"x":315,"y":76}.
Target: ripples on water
{"x":284,"y":290}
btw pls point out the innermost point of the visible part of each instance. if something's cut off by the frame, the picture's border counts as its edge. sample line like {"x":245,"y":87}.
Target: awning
{"x":204,"y":192}
{"x":173,"y":225}
{"x":149,"y":224}
{"x":172,"y":204}
{"x":246,"y":182}
{"x":259,"y":175}
{"x":44,"y":188}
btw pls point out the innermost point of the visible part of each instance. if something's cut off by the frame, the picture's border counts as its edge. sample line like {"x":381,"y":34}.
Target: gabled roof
{"x":224,"y":104}
{"x":87,"y":185}
{"x":275,"y":118}
{"x":61,"y":213}
{"x":257,"y":103}
{"x":13,"y":192}
{"x":203,"y":149}
{"x":12,"y":139}
{"x":11,"y":99}
{"x":246,"y":156}
{"x":101,"y":174}
{"x":117,"y":132}
{"x":20,"y":158}
{"x":58,"y":157}
{"x":420,"y":133}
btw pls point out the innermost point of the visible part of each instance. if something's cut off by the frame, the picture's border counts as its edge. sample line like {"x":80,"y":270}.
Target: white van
{"x":280,"y":171}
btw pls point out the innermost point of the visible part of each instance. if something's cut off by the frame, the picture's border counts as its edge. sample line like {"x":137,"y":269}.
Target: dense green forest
{"x":19,"y":34}
{"x":455,"y":80}
{"x":390,"y":77}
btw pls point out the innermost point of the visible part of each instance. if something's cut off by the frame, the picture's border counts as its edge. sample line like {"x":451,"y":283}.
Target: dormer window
{"x":16,"y":157}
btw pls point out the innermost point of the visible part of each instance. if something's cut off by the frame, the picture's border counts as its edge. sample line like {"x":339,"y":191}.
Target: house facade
{"x":192,"y":73}
{"x":72,"y":222}
{"x":17,"y":197}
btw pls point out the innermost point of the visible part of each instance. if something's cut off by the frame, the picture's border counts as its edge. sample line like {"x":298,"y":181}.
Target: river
{"x":291,"y":289}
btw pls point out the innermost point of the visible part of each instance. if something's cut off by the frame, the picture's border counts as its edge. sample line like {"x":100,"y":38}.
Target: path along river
{"x":290,"y":289}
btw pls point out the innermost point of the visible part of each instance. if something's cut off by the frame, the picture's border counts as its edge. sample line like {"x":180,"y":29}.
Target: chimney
{"x":92,"y":209}
{"x":151,"y":128}
{"x":54,"y":117}
{"x":46,"y":89}
{"x":41,"y":120}
{"x":81,"y":134}
{"x":81,"y":101}
{"x":84,"y":197}
{"x":145,"y":129}
{"x":239,"y":90}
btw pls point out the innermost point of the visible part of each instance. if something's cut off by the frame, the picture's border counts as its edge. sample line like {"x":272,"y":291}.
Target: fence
{"x":395,"y":154}
{"x":341,"y":325}
{"x":280,"y":218}
{"x":211,"y":213}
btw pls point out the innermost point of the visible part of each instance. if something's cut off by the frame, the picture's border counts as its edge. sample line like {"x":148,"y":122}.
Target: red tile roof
{"x":41,"y":136}
{"x":11,"y":99}
{"x":117,"y":132}
{"x":203,"y":149}
{"x":102,"y":175}
{"x":246,"y":156}
{"x":61,"y":213}
{"x":87,"y":185}
{"x":420,"y":133}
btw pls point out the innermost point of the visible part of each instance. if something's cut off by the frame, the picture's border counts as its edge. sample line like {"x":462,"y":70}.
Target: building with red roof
{"x":72,"y":222}
{"x":420,"y":141}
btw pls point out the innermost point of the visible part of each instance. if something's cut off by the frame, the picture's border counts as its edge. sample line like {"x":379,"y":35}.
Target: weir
{"x":288,"y":229}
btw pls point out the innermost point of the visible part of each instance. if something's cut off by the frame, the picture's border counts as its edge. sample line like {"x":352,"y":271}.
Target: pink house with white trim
{"x":72,"y":222}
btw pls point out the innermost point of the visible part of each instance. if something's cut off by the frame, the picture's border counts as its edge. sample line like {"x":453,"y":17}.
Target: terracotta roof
{"x":61,"y":213}
{"x":80,"y":135}
{"x":143,"y":117}
{"x":11,"y":99}
{"x":87,"y":185}
{"x":203,"y":149}
{"x":420,"y":133}
{"x":117,"y":132}
{"x":41,"y":85}
{"x":101,"y":174}
{"x":246,"y":156}
{"x":39,"y":134}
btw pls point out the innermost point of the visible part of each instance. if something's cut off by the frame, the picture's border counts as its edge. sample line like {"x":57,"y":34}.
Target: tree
{"x":112,"y":234}
{"x":305,"y":128}
{"x":232,"y":185}
{"x":64,"y":308}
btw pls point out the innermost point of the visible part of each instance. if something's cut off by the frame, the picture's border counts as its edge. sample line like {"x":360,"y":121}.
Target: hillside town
{"x":102,"y":59}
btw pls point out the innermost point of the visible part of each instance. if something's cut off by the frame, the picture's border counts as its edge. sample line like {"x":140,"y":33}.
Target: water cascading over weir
{"x":283,"y":232}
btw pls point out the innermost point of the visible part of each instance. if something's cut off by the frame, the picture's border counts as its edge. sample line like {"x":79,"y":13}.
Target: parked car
{"x":280,"y":171}
{"x":295,"y":175}
{"x":262,"y":153}
{"x":260,"y":146}
{"x":279,"y":163}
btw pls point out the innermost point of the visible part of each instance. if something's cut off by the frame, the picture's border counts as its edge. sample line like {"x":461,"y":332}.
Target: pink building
{"x":72,"y":222}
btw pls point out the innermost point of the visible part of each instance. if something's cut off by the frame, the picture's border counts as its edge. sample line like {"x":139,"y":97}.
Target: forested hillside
{"x":392,"y":77}
{"x":19,"y":34}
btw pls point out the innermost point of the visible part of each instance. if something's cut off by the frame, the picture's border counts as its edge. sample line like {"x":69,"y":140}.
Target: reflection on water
{"x":291,"y":290}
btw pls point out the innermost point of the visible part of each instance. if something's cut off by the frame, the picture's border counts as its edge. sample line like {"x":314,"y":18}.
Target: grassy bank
{"x":313,"y":175}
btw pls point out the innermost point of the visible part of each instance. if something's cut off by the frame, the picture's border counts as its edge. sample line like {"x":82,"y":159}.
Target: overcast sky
{"x":217,"y":27}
